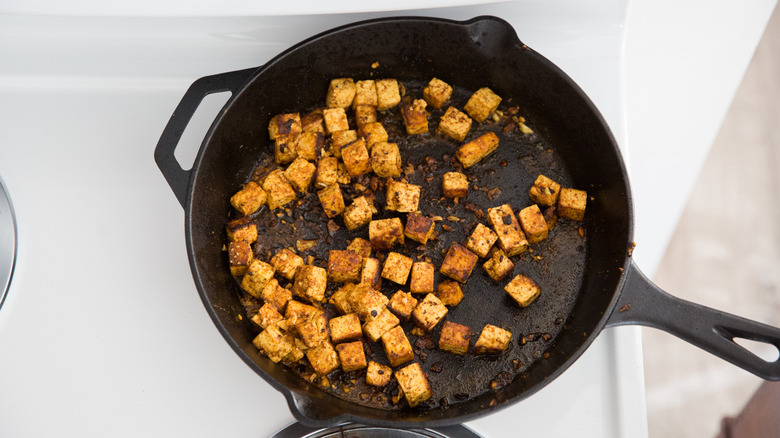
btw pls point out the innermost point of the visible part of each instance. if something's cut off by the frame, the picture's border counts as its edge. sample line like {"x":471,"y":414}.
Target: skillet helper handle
{"x":642,"y":302}
{"x":177,"y":177}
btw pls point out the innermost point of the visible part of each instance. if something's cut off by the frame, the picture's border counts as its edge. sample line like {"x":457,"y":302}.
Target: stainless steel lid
{"x":7,"y":241}
{"x":297,"y":430}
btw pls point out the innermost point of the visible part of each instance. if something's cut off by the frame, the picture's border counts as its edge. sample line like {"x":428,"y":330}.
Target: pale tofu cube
{"x":365,"y":93}
{"x":388,"y":94}
{"x":340,"y":299}
{"x":285,"y":148}
{"x":372,"y":272}
{"x":378,"y":375}
{"x":414,"y":384}
{"x":299,"y":174}
{"x":533,"y":224}
{"x":249,"y":199}
{"x":419,"y":228}
{"x":360,"y":246}
{"x":429,"y":312}
{"x":323,"y":358}
{"x":449,"y":293}
{"x":375,"y":327}
{"x":345,"y":328}
{"x":335,"y":120}
{"x":344,"y":266}
{"x":341,"y":93}
{"x":523,"y":290}
{"x":240,"y":255}
{"x":359,"y":213}
{"x":384,"y":233}
{"x":284,"y":124}
{"x":571,"y":204}
{"x":356,"y":158}
{"x":340,"y":139}
{"x":544,"y":191}
{"x":313,"y":122}
{"x":397,"y":347}
{"x":273,"y":343}
{"x":366,"y":301}
{"x":454,"y":338}
{"x":437,"y":93}
{"x":454,"y":124}
{"x":373,"y":133}
{"x":310,"y":146}
{"x":279,"y":190}
{"x":510,"y":237}
{"x":257,"y":275}
{"x":276,"y":295}
{"x":474,"y":151}
{"x":313,"y":331}
{"x":455,"y":185}
{"x":492,"y":340}
{"x":481,"y":240}
{"x":386,"y":160}
{"x":364,"y":114}
{"x":415,"y":117}
{"x":267,"y":315}
{"x":327,"y":172}
{"x":242,"y":229}
{"x":402,"y":197}
{"x":286,"y":263}
{"x":331,"y":200}
{"x":396,"y":268}
{"x":352,"y":356}
{"x":310,"y":283}
{"x":458,"y":262}
{"x":422,"y":278}
{"x":499,"y":265}
{"x":402,"y":304}
{"x":482,"y":104}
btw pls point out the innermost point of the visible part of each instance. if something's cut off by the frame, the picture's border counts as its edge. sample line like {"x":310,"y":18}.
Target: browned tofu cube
{"x":571,"y":204}
{"x":474,"y":151}
{"x":345,"y":328}
{"x":331,"y":200}
{"x":384,"y":233}
{"x":267,"y":315}
{"x":359,"y":213}
{"x":276,"y":295}
{"x":310,"y":283}
{"x":402,"y":304}
{"x":243,"y":229}
{"x":285,"y":148}
{"x":481,"y":240}
{"x":454,"y":338}
{"x":375,"y":327}
{"x":419,"y":228}
{"x":449,"y":293}
{"x":437,"y":93}
{"x":273,"y":343}
{"x":415,"y":117}
{"x":550,"y":217}
{"x":344,"y":176}
{"x":388,"y":94}
{"x":454,"y":124}
{"x":279,"y":190}
{"x":286,"y":263}
{"x":364,"y":114}
{"x":313,"y":122}
{"x":240,"y":255}
{"x":335,"y":120}
{"x":344,"y":266}
{"x":249,"y":199}
{"x":340,"y":139}
{"x":414,"y":384}
{"x":284,"y":124}
{"x":492,"y":340}
{"x":372,"y":272}
{"x":429,"y":312}
{"x":510,"y":237}
{"x":352,"y":356}
{"x":544,"y":191}
{"x":327,"y":172}
{"x":397,"y":347}
{"x":341,"y":93}
{"x":373,"y":133}
{"x":378,"y":375}
{"x":356,"y":158}
{"x":298,"y":311}
{"x":299,"y":174}
{"x":422,"y":278}
{"x":499,"y":265}
{"x":533,"y":224}
{"x":257,"y":275}
{"x":360,"y":246}
{"x":323,"y":358}
{"x":396,"y":267}
{"x":482,"y":104}
{"x":366,"y":93}
{"x":402,"y":197}
{"x":523,"y":290}
{"x":340,"y":299}
{"x":313,"y":331}
{"x":455,"y":185}
{"x":458,"y":262}
{"x":386,"y":160}
{"x":366,"y":301}
{"x":310,"y":146}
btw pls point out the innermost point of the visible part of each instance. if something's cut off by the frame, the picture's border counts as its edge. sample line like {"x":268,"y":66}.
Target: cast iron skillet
{"x":485,"y":51}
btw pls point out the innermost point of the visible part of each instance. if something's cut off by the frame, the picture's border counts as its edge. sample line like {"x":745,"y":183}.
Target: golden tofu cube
{"x":419,"y":228}
{"x":386,"y":160}
{"x":331,"y":200}
{"x":285,"y":148}
{"x":242,"y":229}
{"x":449,"y":293}
{"x":533,"y":224}
{"x":414,"y":384}
{"x":257,"y":275}
{"x":286,"y":263}
{"x":344,"y":266}
{"x":298,"y":311}
{"x":276,"y":295}
{"x":373,"y":133}
{"x":284,"y":124}
{"x":384,"y":233}
{"x":571,"y":204}
{"x":267,"y":315}
{"x":323,"y":358}
{"x":310,"y":146}
{"x":402,"y":304}
{"x":273,"y":343}
{"x":364,"y":114}
{"x":482,"y":104}
{"x":378,"y":375}
{"x":422,"y":278}
{"x":279,"y":190}
{"x":327,"y":172}
{"x":492,"y":340}
{"x":455,"y":185}
{"x":454,"y":338}
{"x":249,"y":199}
{"x":415,"y":117}
{"x":365,"y":93}
{"x":481,"y":240}
{"x":340,"y":299}
{"x":499,"y":265}
{"x":458,"y":263}
{"x":344,"y":176}
{"x":396,"y":267}
{"x":429,"y":312}
{"x":340,"y":139}
{"x":313,"y":122}
{"x":454,"y":124}
{"x":310,"y":283}
{"x":397,"y":347}
{"x":544,"y":191}
{"x":550,"y":217}
{"x":375,"y":327}
{"x":341,"y":93}
{"x":345,"y":328}
{"x":402,"y":197}
{"x":356,"y":158}
{"x":335,"y":120}
{"x":474,"y":151}
{"x":372,"y":272}
{"x":366,"y":301}
{"x":360,"y":246}
{"x":240,"y":255}
{"x":313,"y":331}
{"x":352,"y":356}
{"x":510,"y":237}
{"x":388,"y":94}
{"x":299,"y":174}
{"x":437,"y":93}
{"x":359,"y":213}
{"x":523,"y":290}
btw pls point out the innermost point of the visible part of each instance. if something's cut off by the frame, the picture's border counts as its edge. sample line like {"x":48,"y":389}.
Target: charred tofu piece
{"x":454,"y":124}
{"x":279,"y":190}
{"x":545,"y":191}
{"x":414,"y":383}
{"x":284,"y":124}
{"x":331,"y":200}
{"x":550,"y":217}
{"x":419,"y":228}
{"x":340,"y":299}
{"x":374,"y":133}
{"x":437,"y":93}
{"x":422,"y":278}
{"x":510,"y":237}
{"x":499,"y":265}
{"x":372,"y":272}
{"x":482,"y":104}
{"x":386,"y":160}
{"x":359,"y":213}
{"x":310,"y":146}
{"x":415,"y":117}
{"x":449,"y":293}
{"x":375,"y":327}
{"x":402,"y":304}
{"x":286,"y":263}
{"x":341,"y":93}
{"x":249,"y":199}
{"x":335,"y":120}
{"x":455,"y":185}
{"x":366,"y":301}
{"x":402,"y":197}
{"x":285,"y":148}
{"x":313,"y":122}
{"x":364,"y":114}
{"x":257,"y":275}
{"x":481,"y":240}
{"x":454,"y":338}
{"x":345,"y":328}
{"x":310,"y":283}
{"x":298,"y":311}
{"x":340,"y":139}
{"x":299,"y":174}
{"x":474,"y":151}
{"x":267,"y":315}
{"x":384,"y":233}
{"x":242,"y":229}
{"x":344,"y":266}
{"x":397,"y":347}
{"x":352,"y":356}
{"x":323,"y":358}
{"x":429,"y":312}
{"x":366,"y":93}
{"x":378,"y":375}
{"x":313,"y":331}
{"x":327,"y":172}
{"x":523,"y":290}
{"x":273,"y":343}
{"x":492,"y":340}
{"x":533,"y":224}
{"x":240,"y":255}
{"x":360,"y":246}
{"x":571,"y":204}
{"x":458,"y":263}
{"x":356,"y":158}
{"x":396,"y":268}
{"x":276,"y":295}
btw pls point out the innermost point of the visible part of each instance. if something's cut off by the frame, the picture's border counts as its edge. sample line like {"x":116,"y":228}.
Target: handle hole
{"x":765,"y":351}
{"x":193,"y":135}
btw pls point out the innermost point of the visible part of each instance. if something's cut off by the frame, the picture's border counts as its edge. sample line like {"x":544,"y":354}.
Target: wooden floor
{"x":725,"y":254}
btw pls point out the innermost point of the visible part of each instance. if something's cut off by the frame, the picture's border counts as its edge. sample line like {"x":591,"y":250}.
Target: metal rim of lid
{"x":7,"y":241}
{"x":298,"y":430}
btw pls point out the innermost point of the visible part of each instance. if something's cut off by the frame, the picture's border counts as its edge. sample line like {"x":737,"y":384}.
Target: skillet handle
{"x":642,"y":302}
{"x":177,"y":177}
